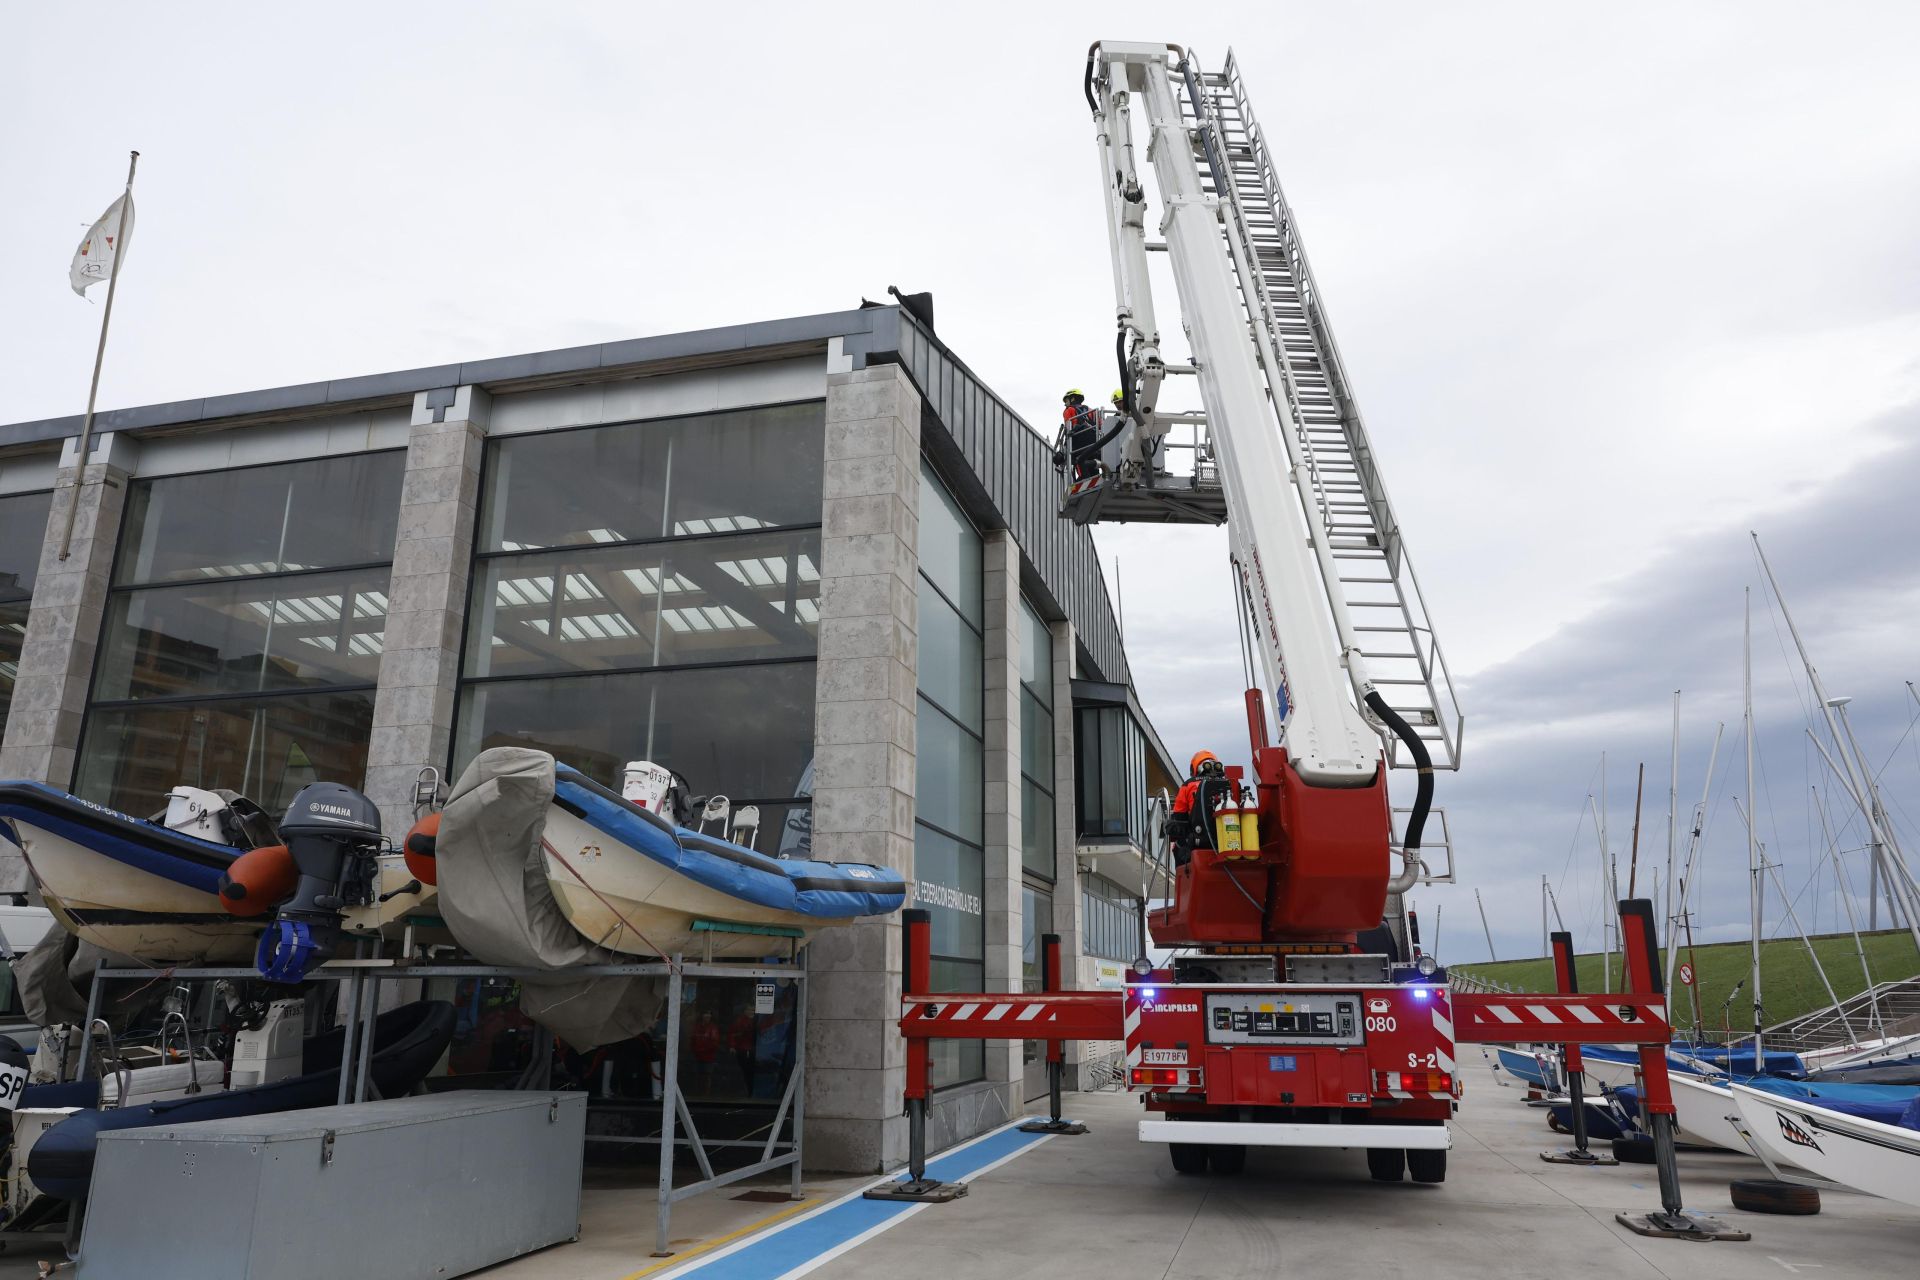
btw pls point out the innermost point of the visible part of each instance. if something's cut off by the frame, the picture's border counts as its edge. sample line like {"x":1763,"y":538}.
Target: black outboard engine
{"x":332,"y":833}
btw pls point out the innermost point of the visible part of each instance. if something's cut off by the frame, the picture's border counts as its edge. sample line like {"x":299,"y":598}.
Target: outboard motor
{"x":332,"y":833}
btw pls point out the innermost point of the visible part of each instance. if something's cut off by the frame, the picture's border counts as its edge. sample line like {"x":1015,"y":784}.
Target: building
{"x":811,"y":563}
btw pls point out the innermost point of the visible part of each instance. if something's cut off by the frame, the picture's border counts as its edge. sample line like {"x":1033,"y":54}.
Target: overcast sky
{"x":1614,"y":286}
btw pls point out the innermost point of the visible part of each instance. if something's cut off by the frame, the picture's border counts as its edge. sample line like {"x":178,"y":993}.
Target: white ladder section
{"x":1308,"y":383}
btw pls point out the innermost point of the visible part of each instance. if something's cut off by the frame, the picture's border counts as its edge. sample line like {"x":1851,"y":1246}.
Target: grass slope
{"x":1789,"y":984}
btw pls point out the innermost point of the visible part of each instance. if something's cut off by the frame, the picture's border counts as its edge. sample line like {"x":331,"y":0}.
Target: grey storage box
{"x":435,"y":1186}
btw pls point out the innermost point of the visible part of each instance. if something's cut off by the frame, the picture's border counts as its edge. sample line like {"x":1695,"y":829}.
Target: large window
{"x":651,"y":590}
{"x":1036,"y":743}
{"x":1110,"y":759}
{"x":1111,"y":919}
{"x":23,"y":528}
{"x":949,"y":813}
{"x":243,"y":632}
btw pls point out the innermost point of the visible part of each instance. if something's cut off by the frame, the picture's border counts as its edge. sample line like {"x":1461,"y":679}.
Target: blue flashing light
{"x":1147,"y":993}
{"x":1421,"y":993}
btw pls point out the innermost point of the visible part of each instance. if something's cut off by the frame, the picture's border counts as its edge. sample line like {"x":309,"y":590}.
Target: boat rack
{"x":360,"y":1006}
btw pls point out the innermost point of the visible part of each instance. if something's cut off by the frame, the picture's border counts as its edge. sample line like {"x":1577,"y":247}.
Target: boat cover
{"x":1888,"y":1104}
{"x":494,"y":896}
{"x":825,"y":890}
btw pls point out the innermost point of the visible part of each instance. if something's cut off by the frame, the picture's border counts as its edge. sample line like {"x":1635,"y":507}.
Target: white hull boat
{"x":1880,"y":1159}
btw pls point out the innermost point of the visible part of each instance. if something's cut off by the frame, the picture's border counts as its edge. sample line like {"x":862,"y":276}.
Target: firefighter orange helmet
{"x":1201,"y":759}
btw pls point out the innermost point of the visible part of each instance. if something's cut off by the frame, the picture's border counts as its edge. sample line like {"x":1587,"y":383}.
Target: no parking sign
{"x":1686,"y":975}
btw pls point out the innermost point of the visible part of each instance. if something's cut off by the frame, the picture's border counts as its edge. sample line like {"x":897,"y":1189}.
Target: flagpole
{"x":99,"y":355}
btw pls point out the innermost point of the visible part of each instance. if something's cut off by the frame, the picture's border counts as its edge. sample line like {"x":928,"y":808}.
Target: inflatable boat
{"x":407,"y":1042}
{"x":151,"y":889}
{"x":626,"y":879}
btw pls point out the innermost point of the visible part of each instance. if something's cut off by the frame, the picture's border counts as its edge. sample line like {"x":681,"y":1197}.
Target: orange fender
{"x":258,"y":880}
{"x":419,"y":849}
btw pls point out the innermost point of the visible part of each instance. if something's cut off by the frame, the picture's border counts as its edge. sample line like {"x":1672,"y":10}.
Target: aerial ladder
{"x":1295,"y":1008}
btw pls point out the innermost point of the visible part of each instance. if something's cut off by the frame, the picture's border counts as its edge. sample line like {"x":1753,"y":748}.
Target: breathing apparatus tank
{"x":332,"y":833}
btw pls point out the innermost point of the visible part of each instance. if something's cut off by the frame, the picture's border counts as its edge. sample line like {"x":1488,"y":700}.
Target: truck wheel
{"x":1188,"y":1157}
{"x":1427,"y":1166}
{"x":1386,"y":1164}
{"x":1764,"y":1195}
{"x":1229,"y":1160}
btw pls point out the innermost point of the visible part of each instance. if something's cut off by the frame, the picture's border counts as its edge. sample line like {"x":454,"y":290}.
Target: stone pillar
{"x":1002,"y":899}
{"x":426,"y":598}
{"x":863,"y":777}
{"x":63,"y":625}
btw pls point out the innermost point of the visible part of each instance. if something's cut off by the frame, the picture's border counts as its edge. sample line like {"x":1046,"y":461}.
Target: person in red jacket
{"x":1082,"y":422}
{"x":1190,"y":825}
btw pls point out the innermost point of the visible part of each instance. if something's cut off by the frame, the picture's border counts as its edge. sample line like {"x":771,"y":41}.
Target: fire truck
{"x":1293,"y":1007}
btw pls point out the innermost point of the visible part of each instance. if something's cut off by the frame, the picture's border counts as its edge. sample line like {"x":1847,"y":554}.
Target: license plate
{"x":1165,"y":1057}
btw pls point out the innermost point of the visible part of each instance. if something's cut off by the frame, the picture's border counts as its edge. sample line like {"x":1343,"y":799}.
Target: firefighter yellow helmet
{"x":1119,"y":397}
{"x":1074,"y":393}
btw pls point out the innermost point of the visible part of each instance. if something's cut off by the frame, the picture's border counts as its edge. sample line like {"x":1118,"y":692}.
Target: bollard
{"x":1567,"y":980}
{"x":1056,"y":1049}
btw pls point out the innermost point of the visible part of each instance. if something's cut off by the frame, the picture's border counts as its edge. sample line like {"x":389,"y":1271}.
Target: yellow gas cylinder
{"x":1237,"y":833}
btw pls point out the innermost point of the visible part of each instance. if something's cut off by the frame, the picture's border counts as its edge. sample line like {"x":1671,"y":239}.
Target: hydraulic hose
{"x":1093,"y":56}
{"x":1422,"y":796}
{"x":1126,"y":375}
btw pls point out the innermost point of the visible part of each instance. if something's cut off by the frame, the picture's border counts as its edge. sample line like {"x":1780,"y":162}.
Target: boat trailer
{"x":1567,"y":1017}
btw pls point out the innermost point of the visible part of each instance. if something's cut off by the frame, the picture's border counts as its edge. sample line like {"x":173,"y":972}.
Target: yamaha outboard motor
{"x":333,"y":835}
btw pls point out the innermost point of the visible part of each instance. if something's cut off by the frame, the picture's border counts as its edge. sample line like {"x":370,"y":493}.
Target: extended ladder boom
{"x":1313,"y":538}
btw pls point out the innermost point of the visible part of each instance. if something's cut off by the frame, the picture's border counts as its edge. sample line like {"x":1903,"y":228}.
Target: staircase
{"x":1305,"y":377}
{"x":1899,"y":1011}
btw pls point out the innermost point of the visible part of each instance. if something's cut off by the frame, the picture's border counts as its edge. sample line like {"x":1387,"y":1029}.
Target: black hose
{"x":1423,"y":797}
{"x":1093,"y":54}
{"x":1126,"y":375}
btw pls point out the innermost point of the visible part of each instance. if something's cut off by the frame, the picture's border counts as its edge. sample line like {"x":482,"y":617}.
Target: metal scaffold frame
{"x":360,"y":1006}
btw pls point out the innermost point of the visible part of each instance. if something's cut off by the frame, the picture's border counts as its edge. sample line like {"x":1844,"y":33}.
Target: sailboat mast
{"x":1753,"y":845}
{"x":1898,"y":889}
{"x":1673,"y":814}
{"x":1483,"y":924}
{"x":1682,"y":909}
{"x":1874,"y":1018}
{"x":1609,"y":885}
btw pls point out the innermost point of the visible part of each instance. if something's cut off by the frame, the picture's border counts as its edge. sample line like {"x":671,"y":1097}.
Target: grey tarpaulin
{"x":53,"y":979}
{"x":494,"y":897}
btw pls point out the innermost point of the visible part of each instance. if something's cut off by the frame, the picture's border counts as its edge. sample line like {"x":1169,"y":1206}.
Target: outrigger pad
{"x":1573,"y":1155}
{"x":924,"y":1191}
{"x":1063,"y":1128}
{"x":1679,"y":1226}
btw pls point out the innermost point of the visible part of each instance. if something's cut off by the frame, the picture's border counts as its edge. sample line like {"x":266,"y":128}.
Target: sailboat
{"x":1878,"y":1156}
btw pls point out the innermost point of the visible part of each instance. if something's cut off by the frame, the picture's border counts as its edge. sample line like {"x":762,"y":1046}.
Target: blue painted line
{"x":797,"y":1243}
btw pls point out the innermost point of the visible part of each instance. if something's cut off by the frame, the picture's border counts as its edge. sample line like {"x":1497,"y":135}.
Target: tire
{"x":1229,"y":1160}
{"x":1386,"y":1164}
{"x":1427,"y":1166}
{"x":1635,"y":1150}
{"x":1553,"y":1123}
{"x":1765,"y":1195}
{"x":1188,"y":1157}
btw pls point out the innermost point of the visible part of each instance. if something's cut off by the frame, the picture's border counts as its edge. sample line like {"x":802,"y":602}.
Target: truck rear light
{"x":1412,"y":1082}
{"x":1163,"y":1077}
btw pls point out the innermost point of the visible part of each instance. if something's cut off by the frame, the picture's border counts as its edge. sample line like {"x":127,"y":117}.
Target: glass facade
{"x":1110,"y":762}
{"x":651,"y":590}
{"x":1036,"y":744}
{"x":23,"y":528}
{"x":1036,"y":916}
{"x":950,"y":807}
{"x":243,"y":632}
{"x":1111,"y":919}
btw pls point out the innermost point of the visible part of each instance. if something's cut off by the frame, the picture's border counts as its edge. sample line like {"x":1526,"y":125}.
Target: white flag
{"x":107,"y":238}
